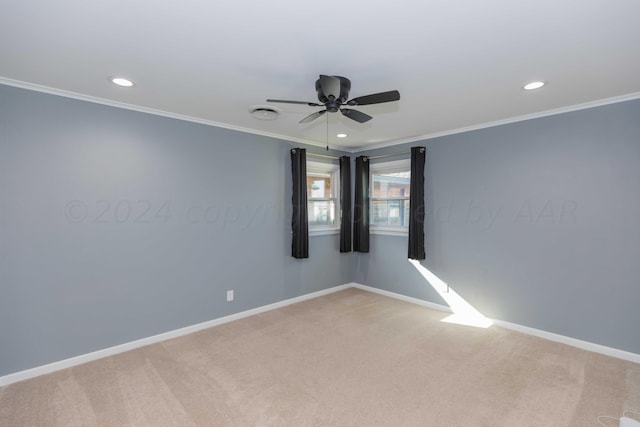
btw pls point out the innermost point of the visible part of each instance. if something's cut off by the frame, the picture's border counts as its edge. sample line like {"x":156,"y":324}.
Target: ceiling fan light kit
{"x":333,"y":93}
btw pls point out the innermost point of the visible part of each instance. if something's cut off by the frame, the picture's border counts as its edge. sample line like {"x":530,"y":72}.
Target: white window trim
{"x":382,"y":167}
{"x":334,"y":171}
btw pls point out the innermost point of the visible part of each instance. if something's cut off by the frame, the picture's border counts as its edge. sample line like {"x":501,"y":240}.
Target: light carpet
{"x":351,"y":358}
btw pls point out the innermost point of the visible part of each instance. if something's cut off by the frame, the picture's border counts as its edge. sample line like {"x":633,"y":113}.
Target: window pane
{"x":390,"y":213}
{"x":321,"y":212}
{"x":391,"y":184}
{"x":379,"y":212}
{"x":318,"y":186}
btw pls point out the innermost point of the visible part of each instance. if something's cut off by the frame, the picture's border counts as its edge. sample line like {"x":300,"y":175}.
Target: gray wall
{"x":104,"y":237}
{"x":535,"y":223}
{"x":117,"y":225}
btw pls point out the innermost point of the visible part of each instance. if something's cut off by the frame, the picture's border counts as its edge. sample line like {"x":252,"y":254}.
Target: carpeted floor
{"x":351,"y":358}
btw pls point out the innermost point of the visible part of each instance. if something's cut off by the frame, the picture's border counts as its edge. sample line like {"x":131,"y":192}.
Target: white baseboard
{"x":584,"y":345}
{"x":412,"y":300}
{"x":78,"y":360}
{"x":84,"y":358}
{"x":573,"y":342}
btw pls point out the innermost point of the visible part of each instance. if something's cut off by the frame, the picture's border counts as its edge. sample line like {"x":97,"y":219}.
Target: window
{"x":322,"y":198}
{"x":389,"y":187}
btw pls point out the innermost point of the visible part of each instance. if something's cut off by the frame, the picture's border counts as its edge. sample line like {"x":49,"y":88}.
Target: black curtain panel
{"x":345,"y":204}
{"x":361,"y":206}
{"x":416,"y":204}
{"x":299,"y":220}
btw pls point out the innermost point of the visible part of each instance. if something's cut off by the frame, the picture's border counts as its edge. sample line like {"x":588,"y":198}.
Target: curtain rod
{"x":368,"y":157}
{"x":323,"y":155}
{"x":392,"y":154}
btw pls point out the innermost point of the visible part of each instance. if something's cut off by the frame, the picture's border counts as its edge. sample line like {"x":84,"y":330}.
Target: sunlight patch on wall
{"x":463,"y":312}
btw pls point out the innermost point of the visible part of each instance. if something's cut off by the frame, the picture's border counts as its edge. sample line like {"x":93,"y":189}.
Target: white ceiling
{"x":457,"y":64}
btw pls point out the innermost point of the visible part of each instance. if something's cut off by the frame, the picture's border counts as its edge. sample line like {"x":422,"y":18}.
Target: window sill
{"x":389,"y":231}
{"x":323,"y":231}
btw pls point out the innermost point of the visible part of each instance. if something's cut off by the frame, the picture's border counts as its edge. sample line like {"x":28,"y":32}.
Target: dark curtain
{"x":361,"y":206}
{"x":299,"y":221}
{"x":416,"y":204}
{"x":345,"y":204}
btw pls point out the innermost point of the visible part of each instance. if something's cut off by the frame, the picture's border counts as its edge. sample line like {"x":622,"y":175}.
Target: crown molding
{"x":126,"y":106}
{"x":117,"y":104}
{"x":553,"y":112}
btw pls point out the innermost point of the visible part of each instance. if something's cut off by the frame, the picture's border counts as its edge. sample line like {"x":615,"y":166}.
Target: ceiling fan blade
{"x":283,"y":101}
{"x":330,"y":87}
{"x":356,"y":115}
{"x":376,"y":98}
{"x":312,"y":117}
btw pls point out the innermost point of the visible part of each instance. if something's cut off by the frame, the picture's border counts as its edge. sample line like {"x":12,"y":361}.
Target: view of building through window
{"x":320,"y":199}
{"x":390,"y":198}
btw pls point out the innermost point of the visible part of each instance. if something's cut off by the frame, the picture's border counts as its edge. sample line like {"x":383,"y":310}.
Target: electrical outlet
{"x":230,"y":295}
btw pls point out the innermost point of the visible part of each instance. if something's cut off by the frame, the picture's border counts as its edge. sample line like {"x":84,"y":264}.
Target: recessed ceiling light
{"x":341,"y":135}
{"x":533,"y":85}
{"x":121,"y":82}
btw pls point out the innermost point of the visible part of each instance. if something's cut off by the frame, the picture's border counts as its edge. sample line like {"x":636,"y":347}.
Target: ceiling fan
{"x":333,"y":92}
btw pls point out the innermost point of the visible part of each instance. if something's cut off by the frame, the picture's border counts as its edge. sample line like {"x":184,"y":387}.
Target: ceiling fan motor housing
{"x":333,"y":105}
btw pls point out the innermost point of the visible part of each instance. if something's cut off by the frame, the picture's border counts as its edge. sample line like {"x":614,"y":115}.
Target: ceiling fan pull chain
{"x":327,"y":132}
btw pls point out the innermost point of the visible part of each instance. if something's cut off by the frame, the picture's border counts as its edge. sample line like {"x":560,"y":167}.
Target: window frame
{"x":320,"y":168}
{"x":392,"y":166}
